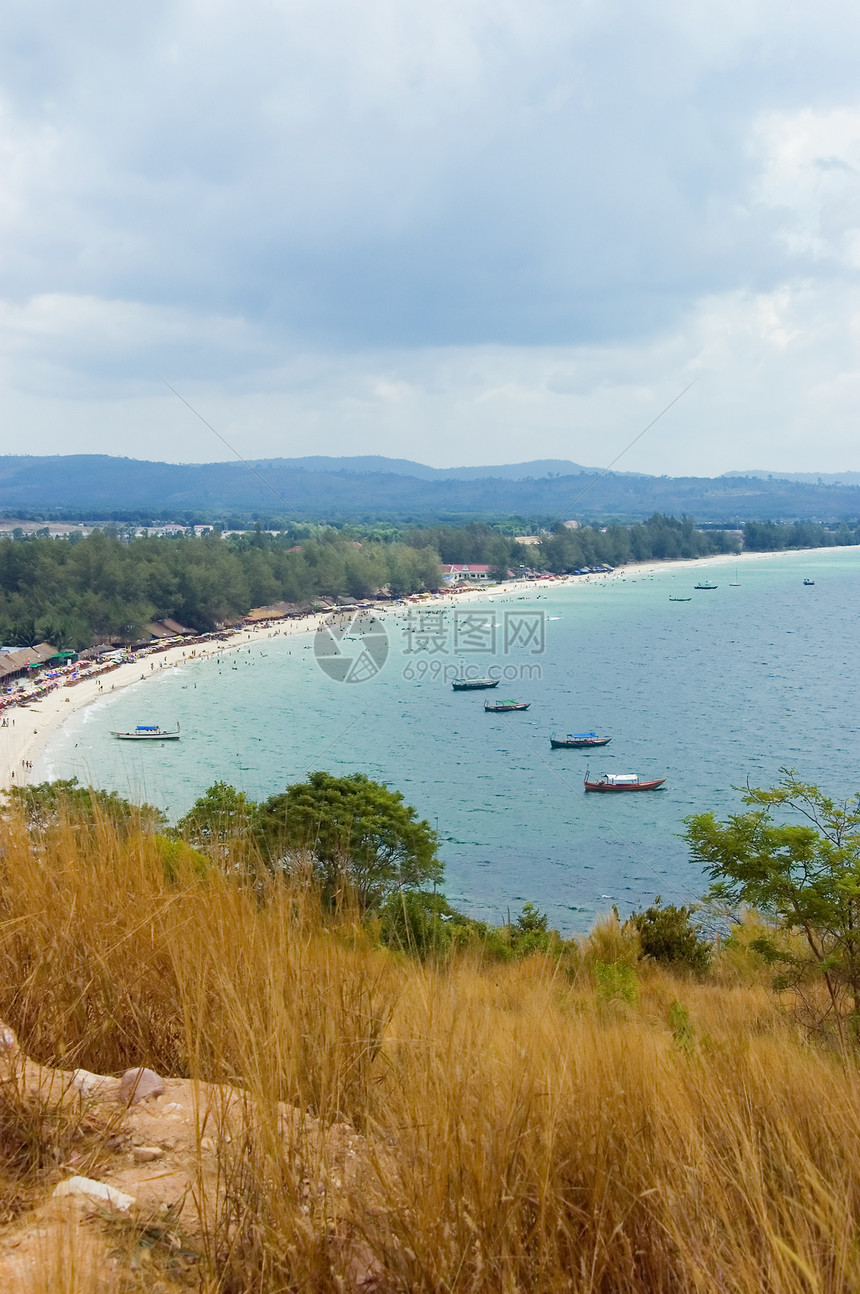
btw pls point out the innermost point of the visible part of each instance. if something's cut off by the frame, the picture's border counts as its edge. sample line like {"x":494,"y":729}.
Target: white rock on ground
{"x":98,"y":1192}
{"x":8,"y":1041}
{"x":93,"y":1085}
{"x":139,"y":1085}
{"x":146,"y":1154}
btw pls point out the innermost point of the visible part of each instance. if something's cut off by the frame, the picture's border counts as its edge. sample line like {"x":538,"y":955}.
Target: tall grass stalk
{"x":516,"y":1133}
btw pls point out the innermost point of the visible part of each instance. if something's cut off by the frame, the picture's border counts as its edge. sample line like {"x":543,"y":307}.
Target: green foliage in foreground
{"x":803,"y":872}
{"x":426,"y":925}
{"x":47,"y":803}
{"x":359,"y":838}
{"x":669,"y":935}
{"x":359,"y":835}
{"x":220,"y":818}
{"x":362,"y":846}
{"x":616,"y":982}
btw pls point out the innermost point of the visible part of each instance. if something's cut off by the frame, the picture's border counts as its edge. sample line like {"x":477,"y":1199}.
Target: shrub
{"x":668,"y":935}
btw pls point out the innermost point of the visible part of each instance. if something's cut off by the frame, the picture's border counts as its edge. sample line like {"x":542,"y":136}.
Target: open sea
{"x":726,"y":688}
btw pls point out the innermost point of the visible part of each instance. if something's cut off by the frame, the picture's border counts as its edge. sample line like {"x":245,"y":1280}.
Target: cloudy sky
{"x":460,"y":231}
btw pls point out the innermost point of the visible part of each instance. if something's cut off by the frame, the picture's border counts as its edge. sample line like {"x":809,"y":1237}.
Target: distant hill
{"x":378,"y":488}
{"x":810,"y":478}
{"x":369,"y":464}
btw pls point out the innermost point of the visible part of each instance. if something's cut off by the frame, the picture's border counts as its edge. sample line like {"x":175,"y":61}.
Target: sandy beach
{"x":31,"y":727}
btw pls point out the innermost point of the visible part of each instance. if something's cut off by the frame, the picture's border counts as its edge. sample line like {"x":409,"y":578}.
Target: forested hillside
{"x":104,"y":486}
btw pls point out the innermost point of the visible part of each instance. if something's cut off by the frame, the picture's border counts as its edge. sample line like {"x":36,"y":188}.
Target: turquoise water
{"x":729,"y":686}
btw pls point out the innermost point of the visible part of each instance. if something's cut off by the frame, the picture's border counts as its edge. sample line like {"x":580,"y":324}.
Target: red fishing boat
{"x":622,"y":782}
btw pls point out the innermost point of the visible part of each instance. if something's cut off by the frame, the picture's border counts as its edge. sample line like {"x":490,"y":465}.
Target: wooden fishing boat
{"x":503,"y":707}
{"x":473,"y":684}
{"x":578,"y":741}
{"x":148,"y":732}
{"x":671,"y":599}
{"x":622,"y":782}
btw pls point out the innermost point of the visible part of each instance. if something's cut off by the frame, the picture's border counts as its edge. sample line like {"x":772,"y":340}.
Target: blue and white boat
{"x":148,"y":732}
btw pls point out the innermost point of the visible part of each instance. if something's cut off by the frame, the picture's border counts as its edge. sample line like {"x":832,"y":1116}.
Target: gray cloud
{"x":361,"y":219}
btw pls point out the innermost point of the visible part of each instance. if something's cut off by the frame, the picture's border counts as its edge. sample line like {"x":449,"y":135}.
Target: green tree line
{"x":109,"y":585}
{"x":771,"y":536}
{"x":564,"y":549}
{"x":74,"y":591}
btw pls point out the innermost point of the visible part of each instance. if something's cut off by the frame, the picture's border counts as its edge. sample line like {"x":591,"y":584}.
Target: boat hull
{"x":586,"y":743}
{"x":629,"y":786}
{"x":474,"y":685}
{"x":146,"y":736}
{"x":506,"y":709}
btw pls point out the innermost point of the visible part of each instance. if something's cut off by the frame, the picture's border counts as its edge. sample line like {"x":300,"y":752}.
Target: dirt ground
{"x":182,"y":1156}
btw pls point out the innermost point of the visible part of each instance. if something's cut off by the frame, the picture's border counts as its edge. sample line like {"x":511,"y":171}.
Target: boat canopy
{"x":622,"y":779}
{"x":147,"y":727}
{"x":580,"y":736}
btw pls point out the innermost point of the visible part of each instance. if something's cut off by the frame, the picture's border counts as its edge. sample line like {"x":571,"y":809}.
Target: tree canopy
{"x":109,"y":586}
{"x":802,"y":872}
{"x":669,"y":935}
{"x":219,"y":820}
{"x":357,"y":833}
{"x":46,"y":804}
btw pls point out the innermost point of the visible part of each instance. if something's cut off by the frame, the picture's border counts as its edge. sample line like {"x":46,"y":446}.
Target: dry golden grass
{"x":525,"y":1130}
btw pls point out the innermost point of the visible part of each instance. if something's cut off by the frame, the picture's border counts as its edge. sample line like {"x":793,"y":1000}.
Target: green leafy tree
{"x":49,"y":803}
{"x":531,"y":933}
{"x":218,"y":820}
{"x":670,"y":936}
{"x":803,"y":873}
{"x":359,"y":835}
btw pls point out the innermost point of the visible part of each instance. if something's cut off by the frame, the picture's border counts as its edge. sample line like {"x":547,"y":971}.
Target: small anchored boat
{"x":809,"y":583}
{"x":578,"y":741}
{"x":671,"y":599}
{"x":622,"y":782}
{"x":148,"y":732}
{"x":473,"y":684}
{"x":705,"y":584}
{"x":502,"y":707}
